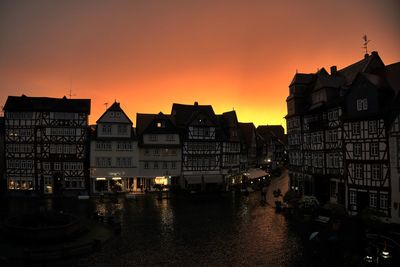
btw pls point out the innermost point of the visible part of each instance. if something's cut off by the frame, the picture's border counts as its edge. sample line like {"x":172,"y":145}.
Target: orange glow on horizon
{"x":149,"y":55}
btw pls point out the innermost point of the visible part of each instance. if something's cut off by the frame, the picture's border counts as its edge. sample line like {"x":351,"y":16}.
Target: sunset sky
{"x":147,"y":55}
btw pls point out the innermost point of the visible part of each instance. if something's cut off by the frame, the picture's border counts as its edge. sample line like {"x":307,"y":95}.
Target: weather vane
{"x":366,"y":41}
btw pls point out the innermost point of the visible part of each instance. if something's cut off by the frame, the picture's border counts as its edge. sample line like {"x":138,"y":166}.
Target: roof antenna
{"x":106,"y":104}
{"x":70,"y":89}
{"x":365,"y":45}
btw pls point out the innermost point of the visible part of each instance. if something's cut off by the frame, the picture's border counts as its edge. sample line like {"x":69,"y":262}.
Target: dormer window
{"x":161,"y":124}
{"x":362,"y":104}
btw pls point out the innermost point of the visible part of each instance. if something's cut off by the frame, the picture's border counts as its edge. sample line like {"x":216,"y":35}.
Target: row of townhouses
{"x":48,"y":146}
{"x":344,"y":136}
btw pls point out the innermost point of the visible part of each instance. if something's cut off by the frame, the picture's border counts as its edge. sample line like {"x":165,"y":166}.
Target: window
{"x":73,"y":166}
{"x":336,"y":160}
{"x":357,"y":149}
{"x":165,"y":165}
{"x":46,"y":166}
{"x":353,"y":198}
{"x":146,"y":152}
{"x":106,"y":129}
{"x":374,"y":149}
{"x":155,"y":165}
{"x":372,"y":127}
{"x":103,"y":146}
{"x":376,"y":172}
{"x":161,"y":124}
{"x":173,"y":152}
{"x":57,"y":166}
{"x":170,"y":137}
{"x":156,"y":152}
{"x":356,"y":127}
{"x":153,"y":137}
{"x":362,"y":104}
{"x":333,"y":189}
{"x":124,"y":162}
{"x":146,"y":165}
{"x":124,"y":146}
{"x":358,"y":171}
{"x":173,"y":165}
{"x":122,"y":129}
{"x":103,"y":161}
{"x":383,"y":202}
{"x":372,"y":200}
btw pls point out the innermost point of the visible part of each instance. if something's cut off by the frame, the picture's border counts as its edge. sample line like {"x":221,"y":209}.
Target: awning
{"x":209,"y":178}
{"x":255,"y":173}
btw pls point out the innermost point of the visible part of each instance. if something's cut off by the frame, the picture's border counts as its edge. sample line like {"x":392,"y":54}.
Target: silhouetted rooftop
{"x":25,"y":103}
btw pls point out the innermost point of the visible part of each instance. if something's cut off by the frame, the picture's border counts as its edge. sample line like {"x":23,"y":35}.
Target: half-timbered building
{"x":45,"y":144}
{"x":338,"y":134}
{"x":230,"y":147}
{"x":201,"y":135}
{"x":249,"y":138}
{"x":3,"y":182}
{"x":366,"y":144}
{"x":273,"y":136}
{"x":160,"y":152}
{"x":113,"y":152}
{"x":393,"y":78}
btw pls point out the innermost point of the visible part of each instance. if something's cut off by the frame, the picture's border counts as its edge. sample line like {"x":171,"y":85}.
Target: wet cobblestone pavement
{"x":230,"y":230}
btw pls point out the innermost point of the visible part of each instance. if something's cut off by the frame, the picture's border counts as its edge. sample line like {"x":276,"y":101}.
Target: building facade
{"x":3,"y":182}
{"x":338,"y":143}
{"x":45,"y":144}
{"x":113,"y":152}
{"x":274,"y":138}
{"x":160,"y":153}
{"x":231,"y":148}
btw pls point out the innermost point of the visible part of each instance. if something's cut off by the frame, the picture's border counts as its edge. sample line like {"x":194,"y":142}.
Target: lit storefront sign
{"x":161,"y":180}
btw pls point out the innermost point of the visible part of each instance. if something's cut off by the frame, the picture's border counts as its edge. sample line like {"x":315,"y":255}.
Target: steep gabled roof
{"x":184,"y":114}
{"x":148,"y":123}
{"x":229,"y":119}
{"x":392,"y":75}
{"x":367,"y":64}
{"x":28,"y":104}
{"x":248,"y":131}
{"x":269,"y":131}
{"x":324,"y":80}
{"x":115,"y":107}
{"x":302,"y":78}
{"x":143,"y":121}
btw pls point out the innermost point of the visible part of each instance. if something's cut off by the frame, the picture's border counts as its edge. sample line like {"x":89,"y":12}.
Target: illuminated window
{"x":161,"y":124}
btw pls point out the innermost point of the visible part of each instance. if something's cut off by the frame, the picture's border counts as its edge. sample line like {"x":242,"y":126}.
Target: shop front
{"x":109,"y":184}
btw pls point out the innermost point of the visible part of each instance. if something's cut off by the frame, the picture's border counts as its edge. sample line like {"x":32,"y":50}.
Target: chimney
{"x":333,"y":70}
{"x":375,"y":53}
{"x":196,"y":104}
{"x":366,"y":55}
